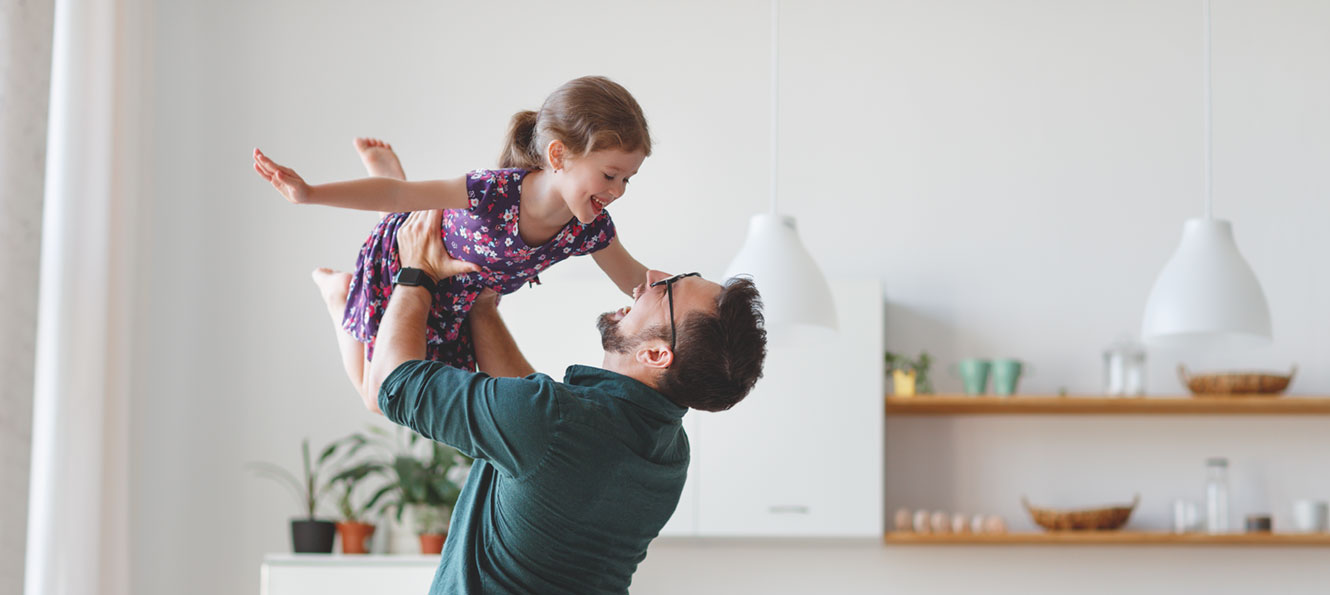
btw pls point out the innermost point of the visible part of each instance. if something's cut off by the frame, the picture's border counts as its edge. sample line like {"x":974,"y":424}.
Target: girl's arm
{"x":620,"y":266}
{"x":369,"y":194}
{"x":496,"y":351}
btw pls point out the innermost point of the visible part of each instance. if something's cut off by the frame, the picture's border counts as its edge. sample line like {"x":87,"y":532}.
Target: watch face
{"x":409,"y":276}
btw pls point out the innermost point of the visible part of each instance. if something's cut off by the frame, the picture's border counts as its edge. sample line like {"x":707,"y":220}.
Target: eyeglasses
{"x":669,"y":292}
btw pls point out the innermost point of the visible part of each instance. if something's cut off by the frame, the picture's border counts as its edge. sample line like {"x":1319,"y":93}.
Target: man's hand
{"x":284,"y":179}
{"x":420,"y":245}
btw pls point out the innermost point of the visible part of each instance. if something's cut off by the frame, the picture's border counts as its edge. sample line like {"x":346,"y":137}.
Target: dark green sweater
{"x":572,"y":479}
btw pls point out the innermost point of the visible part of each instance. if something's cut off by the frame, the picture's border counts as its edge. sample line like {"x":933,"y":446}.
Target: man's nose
{"x":654,"y":276}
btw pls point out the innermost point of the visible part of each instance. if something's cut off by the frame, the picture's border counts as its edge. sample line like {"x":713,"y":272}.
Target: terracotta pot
{"x":355,"y":537}
{"x":432,"y":543}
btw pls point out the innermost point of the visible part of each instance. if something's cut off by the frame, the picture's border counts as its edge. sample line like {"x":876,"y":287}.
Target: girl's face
{"x":591,"y":182}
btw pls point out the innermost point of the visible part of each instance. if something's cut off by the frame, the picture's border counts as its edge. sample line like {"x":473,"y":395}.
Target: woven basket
{"x":1236,"y":383}
{"x":1108,"y":518}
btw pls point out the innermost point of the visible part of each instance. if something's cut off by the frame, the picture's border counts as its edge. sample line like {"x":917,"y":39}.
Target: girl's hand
{"x":420,"y":245}
{"x":284,"y":179}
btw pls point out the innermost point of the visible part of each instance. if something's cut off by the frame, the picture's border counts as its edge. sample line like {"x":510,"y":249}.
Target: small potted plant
{"x":429,"y":487}
{"x":909,"y":377}
{"x":424,"y":480}
{"x":353,"y":529}
{"x":309,"y":535}
{"x":431,"y":524}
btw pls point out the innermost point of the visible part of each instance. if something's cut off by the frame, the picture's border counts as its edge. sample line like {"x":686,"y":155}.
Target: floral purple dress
{"x":485,"y":234}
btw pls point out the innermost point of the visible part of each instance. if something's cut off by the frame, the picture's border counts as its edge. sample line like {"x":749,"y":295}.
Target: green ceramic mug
{"x":1006,"y":373}
{"x":974,"y":375}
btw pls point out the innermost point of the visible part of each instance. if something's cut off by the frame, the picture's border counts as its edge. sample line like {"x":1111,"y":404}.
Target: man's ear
{"x":654,"y":355}
{"x":555,"y":153}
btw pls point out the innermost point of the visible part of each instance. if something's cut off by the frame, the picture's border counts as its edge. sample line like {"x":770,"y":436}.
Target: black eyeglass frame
{"x":669,"y":293}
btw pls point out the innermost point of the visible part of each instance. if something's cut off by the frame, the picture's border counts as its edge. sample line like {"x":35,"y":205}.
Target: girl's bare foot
{"x":379,"y":158}
{"x":333,"y":286}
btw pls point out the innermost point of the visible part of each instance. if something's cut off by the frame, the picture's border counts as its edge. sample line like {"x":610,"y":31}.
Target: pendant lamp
{"x":794,"y":290}
{"x":1207,"y":290}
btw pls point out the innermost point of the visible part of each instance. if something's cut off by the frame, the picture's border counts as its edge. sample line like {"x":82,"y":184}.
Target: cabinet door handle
{"x":788,"y":509}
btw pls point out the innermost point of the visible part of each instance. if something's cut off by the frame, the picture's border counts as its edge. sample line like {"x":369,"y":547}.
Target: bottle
{"x":1216,"y":495}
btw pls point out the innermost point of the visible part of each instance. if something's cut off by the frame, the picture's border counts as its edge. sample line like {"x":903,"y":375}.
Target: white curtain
{"x":25,"y":71}
{"x":78,"y":523}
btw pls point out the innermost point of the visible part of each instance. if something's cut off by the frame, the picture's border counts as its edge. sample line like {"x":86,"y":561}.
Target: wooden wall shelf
{"x":1097,"y":405}
{"x":1111,"y":538}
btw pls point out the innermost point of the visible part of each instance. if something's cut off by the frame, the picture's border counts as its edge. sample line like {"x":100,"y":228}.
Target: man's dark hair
{"x":718,"y":357}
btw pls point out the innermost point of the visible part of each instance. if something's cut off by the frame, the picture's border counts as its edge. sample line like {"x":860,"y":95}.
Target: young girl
{"x":561,"y":167}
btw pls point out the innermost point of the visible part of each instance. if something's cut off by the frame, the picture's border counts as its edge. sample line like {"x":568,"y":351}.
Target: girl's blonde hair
{"x":586,"y":114}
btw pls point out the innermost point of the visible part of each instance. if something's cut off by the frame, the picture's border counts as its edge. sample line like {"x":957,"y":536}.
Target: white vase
{"x":401,"y":537}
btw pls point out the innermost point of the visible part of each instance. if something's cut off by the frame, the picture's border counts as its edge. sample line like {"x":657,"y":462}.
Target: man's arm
{"x":506,"y":421}
{"x":496,"y":351}
{"x":401,"y":335}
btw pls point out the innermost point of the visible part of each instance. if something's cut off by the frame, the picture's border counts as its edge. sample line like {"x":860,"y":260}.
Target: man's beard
{"x":611,"y":338}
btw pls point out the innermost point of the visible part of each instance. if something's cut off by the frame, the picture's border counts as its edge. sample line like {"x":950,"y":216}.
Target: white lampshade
{"x":793,"y":289}
{"x":1207,"y":290}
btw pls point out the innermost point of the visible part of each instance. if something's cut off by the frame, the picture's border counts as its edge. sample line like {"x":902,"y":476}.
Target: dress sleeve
{"x":490,"y":191}
{"x":597,"y":235}
{"x":508,"y":422}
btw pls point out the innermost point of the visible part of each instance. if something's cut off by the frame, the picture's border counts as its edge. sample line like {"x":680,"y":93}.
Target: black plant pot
{"x":312,"y":537}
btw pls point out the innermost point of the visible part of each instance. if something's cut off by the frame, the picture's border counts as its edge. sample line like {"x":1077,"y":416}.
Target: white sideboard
{"x":335,"y":574}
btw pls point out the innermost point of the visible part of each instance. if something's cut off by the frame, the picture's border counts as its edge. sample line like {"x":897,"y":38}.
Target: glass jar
{"x":1124,"y":368}
{"x":1216,"y":495}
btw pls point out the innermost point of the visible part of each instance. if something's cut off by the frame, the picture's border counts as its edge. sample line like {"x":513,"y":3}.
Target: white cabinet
{"x":801,"y":456}
{"x":324,"y":574}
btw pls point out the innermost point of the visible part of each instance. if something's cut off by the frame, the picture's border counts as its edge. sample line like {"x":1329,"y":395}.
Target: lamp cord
{"x":1205,"y":82}
{"x":775,"y":98}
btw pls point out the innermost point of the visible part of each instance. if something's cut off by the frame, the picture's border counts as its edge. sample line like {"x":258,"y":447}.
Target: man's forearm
{"x":496,"y":351}
{"x":401,"y":337}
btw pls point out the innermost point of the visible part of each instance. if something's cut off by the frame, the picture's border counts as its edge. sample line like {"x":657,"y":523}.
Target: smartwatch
{"x":413,"y":277}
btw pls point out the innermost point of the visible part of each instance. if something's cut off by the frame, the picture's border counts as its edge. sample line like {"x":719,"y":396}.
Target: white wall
{"x":1016,"y":173}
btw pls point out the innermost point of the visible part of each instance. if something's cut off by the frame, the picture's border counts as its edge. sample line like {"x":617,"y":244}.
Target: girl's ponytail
{"x":585,"y":114}
{"x":520,"y":150}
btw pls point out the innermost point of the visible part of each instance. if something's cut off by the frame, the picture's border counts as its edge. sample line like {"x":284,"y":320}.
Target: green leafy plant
{"x":353,"y":509}
{"x":920,"y":366}
{"x":419,"y":472}
{"x":430,"y":519}
{"x":311,"y":486}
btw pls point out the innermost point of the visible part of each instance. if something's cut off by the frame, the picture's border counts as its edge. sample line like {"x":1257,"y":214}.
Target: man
{"x":572,"y":479}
